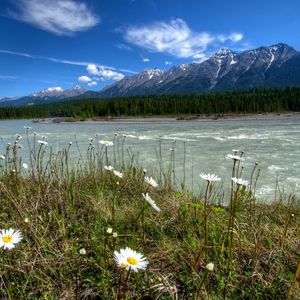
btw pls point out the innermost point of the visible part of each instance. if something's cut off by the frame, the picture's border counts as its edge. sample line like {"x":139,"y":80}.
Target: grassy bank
{"x":73,"y":218}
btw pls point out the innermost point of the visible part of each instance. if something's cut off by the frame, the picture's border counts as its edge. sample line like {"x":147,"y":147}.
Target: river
{"x":273,"y":143}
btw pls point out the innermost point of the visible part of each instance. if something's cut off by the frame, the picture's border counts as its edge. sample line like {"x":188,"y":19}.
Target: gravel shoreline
{"x":229,"y":117}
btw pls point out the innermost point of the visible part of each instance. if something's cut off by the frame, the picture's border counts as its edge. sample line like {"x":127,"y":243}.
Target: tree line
{"x":241,"y":102}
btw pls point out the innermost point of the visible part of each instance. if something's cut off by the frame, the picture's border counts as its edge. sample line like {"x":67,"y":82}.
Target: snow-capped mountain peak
{"x":48,"y":91}
{"x":57,"y":91}
{"x":153,"y":72}
{"x":223,"y":52}
{"x":224,"y":70}
{"x":47,"y":95}
{"x":54,"y":89}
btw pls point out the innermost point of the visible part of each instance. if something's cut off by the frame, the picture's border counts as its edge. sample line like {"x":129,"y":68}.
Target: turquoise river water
{"x":273,"y":143}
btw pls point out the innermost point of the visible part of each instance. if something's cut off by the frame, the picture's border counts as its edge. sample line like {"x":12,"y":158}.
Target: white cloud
{"x":93,"y":83}
{"x":128,"y":71}
{"x":61,"y":17}
{"x":146,"y":59}
{"x":16,"y":53}
{"x":62,"y":61}
{"x":104,"y":73}
{"x":118,"y":77}
{"x":175,"y":38}
{"x":52,"y":59}
{"x":233,"y":37}
{"x":84,"y":79}
{"x":199,"y":57}
{"x":65,"y":61}
{"x":7,"y":77}
{"x":124,"y":47}
{"x":168,"y":63}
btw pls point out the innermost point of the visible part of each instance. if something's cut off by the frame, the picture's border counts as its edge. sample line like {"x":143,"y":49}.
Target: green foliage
{"x":250,"y":101}
{"x":69,"y":209}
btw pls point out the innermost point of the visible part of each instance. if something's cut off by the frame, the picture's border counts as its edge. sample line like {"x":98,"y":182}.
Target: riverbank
{"x":72,"y":222}
{"x":155,"y":119}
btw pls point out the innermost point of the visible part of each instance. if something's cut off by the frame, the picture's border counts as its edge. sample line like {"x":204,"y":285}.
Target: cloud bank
{"x":103,"y":73}
{"x":100,"y":72}
{"x":93,"y":83}
{"x":61,"y":17}
{"x":84,"y":79}
{"x":176,"y":38}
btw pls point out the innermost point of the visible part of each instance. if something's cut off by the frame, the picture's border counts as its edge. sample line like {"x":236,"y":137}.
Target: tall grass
{"x":74,"y":216}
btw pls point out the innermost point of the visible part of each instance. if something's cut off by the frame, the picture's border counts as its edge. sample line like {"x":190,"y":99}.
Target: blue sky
{"x":93,"y":43}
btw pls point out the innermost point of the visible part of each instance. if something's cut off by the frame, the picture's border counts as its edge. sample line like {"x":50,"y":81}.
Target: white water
{"x":274,"y":144}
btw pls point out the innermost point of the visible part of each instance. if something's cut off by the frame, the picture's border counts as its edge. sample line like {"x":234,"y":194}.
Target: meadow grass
{"x":73,"y":217}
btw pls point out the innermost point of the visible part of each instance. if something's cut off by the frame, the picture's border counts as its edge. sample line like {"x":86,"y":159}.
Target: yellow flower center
{"x":7,"y":239}
{"x":132,"y":261}
{"x":123,"y":265}
{"x":106,"y":142}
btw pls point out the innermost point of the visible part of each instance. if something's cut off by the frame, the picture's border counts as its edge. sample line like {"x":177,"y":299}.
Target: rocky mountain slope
{"x":274,"y":66}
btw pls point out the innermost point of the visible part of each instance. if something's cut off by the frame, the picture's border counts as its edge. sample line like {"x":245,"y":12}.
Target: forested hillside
{"x":251,"y":101}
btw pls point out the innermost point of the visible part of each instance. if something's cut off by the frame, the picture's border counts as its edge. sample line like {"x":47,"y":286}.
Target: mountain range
{"x":48,"y":95}
{"x":275,"y":66}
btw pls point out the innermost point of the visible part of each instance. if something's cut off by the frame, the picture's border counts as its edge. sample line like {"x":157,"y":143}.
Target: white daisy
{"x":130,"y":259}
{"x":210,"y":267}
{"x":8,"y":238}
{"x":210,"y":177}
{"x":2,"y":157}
{"x":235,"y":157}
{"x":108,"y":168}
{"x":151,"y":181}
{"x":106,"y":143}
{"x":82,"y":251}
{"x":118,"y":174}
{"x":151,"y":201}
{"x":25,"y":166}
{"x":240,"y":181}
{"x":42,"y":142}
{"x":27,"y":127}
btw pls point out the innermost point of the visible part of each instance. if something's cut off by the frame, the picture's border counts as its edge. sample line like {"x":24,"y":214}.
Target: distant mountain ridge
{"x":275,"y":66}
{"x":51,"y":94}
{"x":264,"y":67}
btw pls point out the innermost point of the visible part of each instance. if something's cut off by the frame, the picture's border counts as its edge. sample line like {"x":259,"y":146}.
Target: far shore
{"x":155,"y":119}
